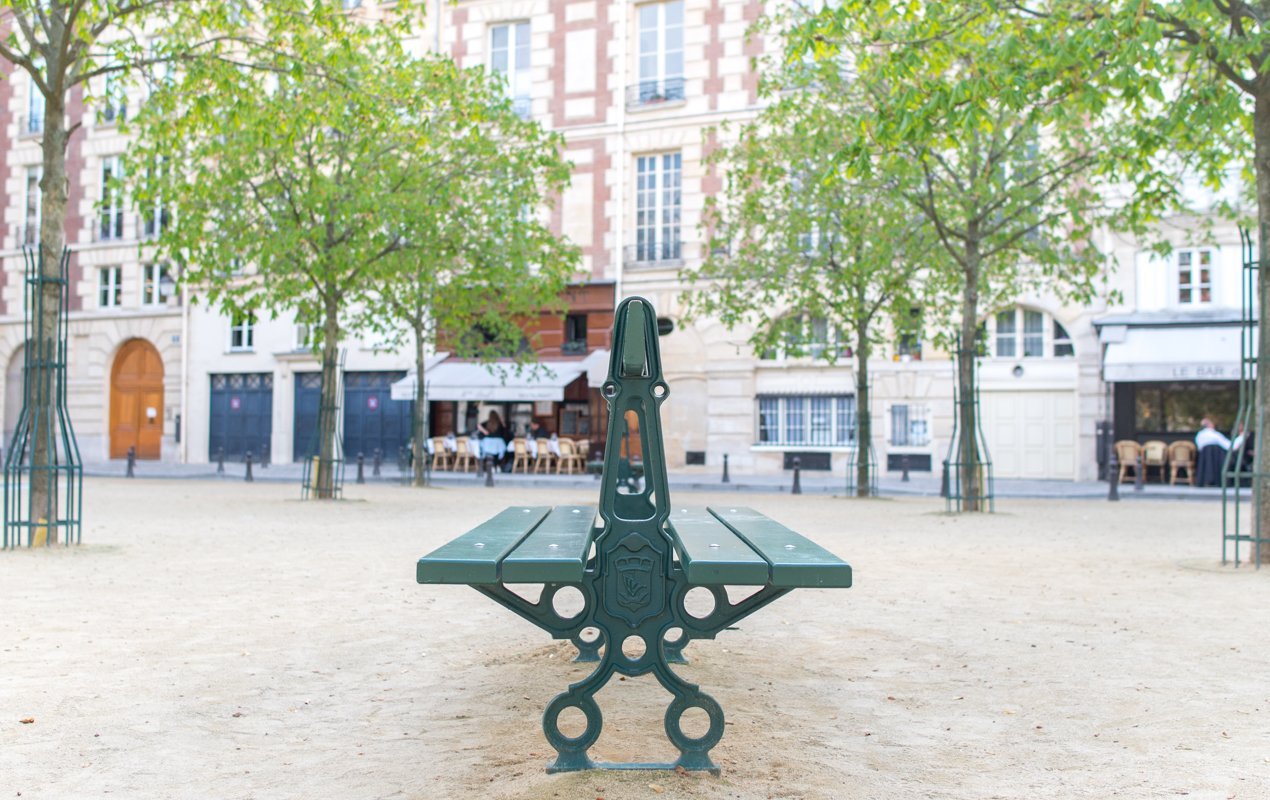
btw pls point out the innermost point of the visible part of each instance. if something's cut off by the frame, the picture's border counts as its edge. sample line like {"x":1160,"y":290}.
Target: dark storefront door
{"x":371,"y":418}
{"x":308,"y":396}
{"x":242,"y":415}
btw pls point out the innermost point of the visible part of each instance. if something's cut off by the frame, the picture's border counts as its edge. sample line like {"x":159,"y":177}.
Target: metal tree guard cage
{"x":863,"y":450}
{"x":313,"y":466}
{"x":956,"y":496}
{"x":1237,"y":473}
{"x":43,"y":503}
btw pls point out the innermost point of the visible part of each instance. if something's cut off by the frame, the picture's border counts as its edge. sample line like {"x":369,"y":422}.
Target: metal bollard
{"x":220,"y":461}
{"x":726,"y":479}
{"x":247,"y":460}
{"x":943,"y":481}
{"x":361,"y":463}
{"x":132,"y":462}
{"x":904,"y":467}
{"x":1138,"y":478}
{"x":489,"y":470}
{"x":264,"y":458}
{"x":798,"y":484}
{"x":1113,"y":477}
{"x":376,"y":460}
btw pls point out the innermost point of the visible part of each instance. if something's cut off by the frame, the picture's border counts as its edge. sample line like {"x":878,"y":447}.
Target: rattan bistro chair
{"x":441,"y":458}
{"x":463,"y":457}
{"x":1127,"y":453}
{"x":520,"y":455}
{"x":545,"y":458}
{"x":569,"y":458}
{"x":1182,"y":457}
{"x":1155,"y":454}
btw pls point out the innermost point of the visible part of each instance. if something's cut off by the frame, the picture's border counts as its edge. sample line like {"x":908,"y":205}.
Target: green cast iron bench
{"x":634,"y":559}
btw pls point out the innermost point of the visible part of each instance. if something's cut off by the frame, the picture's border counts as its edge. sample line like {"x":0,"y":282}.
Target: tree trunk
{"x":328,"y":409}
{"x":864,"y":430}
{"x":421,"y":432}
{"x":1261,"y":494}
{"x":968,"y":448}
{"x":41,"y":396}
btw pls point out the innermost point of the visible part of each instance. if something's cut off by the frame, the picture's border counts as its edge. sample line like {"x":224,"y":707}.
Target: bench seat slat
{"x":474,"y":556}
{"x":712,"y":554}
{"x":796,"y":560}
{"x":554,"y":552}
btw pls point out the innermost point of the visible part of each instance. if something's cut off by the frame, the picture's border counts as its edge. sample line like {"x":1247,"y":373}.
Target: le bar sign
{"x":1205,"y":372}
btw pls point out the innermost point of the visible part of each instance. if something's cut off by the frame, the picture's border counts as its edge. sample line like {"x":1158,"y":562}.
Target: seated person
{"x":1212,"y":445}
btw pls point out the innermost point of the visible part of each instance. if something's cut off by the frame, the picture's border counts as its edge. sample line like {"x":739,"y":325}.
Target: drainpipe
{"x":186,"y":422}
{"x":619,"y":236}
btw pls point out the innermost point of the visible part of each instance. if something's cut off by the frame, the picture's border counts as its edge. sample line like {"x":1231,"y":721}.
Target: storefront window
{"x":1179,"y":407}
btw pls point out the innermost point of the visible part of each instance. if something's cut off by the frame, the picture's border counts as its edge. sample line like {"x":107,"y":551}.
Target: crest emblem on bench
{"x":639,"y":591}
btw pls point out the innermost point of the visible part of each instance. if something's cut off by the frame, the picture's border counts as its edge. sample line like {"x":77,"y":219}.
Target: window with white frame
{"x":807,"y":420}
{"x":1028,"y":333}
{"x":509,"y":58}
{"x":910,"y":425}
{"x":114,"y":106}
{"x":242,"y":331}
{"x":34,"y":201}
{"x":111,"y":226}
{"x":303,"y":337}
{"x":109,"y":287}
{"x":658,"y":184}
{"x":34,"y":108}
{"x":156,"y":284}
{"x":1194,"y":276}
{"x":661,"y":52}
{"x":154,"y":218}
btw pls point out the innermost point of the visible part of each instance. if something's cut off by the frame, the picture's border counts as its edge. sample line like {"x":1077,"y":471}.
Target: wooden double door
{"x":136,"y":400}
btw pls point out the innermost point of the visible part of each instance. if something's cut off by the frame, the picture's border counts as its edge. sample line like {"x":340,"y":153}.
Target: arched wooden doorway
{"x":136,"y":400}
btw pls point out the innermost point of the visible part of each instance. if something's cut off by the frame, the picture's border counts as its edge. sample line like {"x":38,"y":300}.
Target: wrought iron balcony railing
{"x":646,"y":94}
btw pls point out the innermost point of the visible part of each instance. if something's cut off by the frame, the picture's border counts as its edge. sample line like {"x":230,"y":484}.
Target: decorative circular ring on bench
{"x":674,"y":717}
{"x":610,"y":390}
{"x":555,"y":608}
{"x":661,"y":391}
{"x":551,"y":722}
{"x":675,"y":637}
{"x":632,"y":643}
{"x":720,"y":596}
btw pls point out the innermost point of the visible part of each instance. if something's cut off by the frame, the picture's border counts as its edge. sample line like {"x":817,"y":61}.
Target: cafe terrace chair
{"x":441,"y":458}
{"x":1127,"y":453}
{"x":1182,"y":457}
{"x":1155,"y":453}
{"x":520,"y":455}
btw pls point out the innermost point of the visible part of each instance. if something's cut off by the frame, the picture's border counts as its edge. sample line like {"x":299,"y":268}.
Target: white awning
{"x":1176,"y":353}
{"x":497,"y":383}
{"x":597,"y":368}
{"x":404,"y":389}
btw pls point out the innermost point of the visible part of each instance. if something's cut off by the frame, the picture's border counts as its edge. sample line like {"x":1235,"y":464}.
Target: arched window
{"x":1027,"y":333}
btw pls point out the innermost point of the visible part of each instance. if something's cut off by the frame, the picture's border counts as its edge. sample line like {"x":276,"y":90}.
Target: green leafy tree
{"x":974,"y":112}
{"x":94,"y":48}
{"x":1194,"y":78}
{"x":313,"y":181}
{"x":486,"y":264}
{"x":806,"y":256}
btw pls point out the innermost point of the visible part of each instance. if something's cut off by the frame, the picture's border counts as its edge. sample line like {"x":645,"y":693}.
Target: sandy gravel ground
{"x":223,"y":640}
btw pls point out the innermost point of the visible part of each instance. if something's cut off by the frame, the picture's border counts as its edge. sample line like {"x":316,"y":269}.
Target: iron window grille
{"x":910,"y":425}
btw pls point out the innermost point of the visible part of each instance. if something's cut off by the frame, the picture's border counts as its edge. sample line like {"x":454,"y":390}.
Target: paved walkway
{"x":920,"y":484}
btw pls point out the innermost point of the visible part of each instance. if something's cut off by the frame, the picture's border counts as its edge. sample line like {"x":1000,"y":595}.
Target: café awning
{"x":496,"y":383}
{"x":1170,"y":353}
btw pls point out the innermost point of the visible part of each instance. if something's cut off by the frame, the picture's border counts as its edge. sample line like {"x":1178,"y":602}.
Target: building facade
{"x":637,"y":89}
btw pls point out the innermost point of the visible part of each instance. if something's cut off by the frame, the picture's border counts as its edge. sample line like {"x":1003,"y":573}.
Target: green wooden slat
{"x":555,"y":551}
{"x":474,"y":556}
{"x":711,"y":553}
{"x":796,"y":560}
